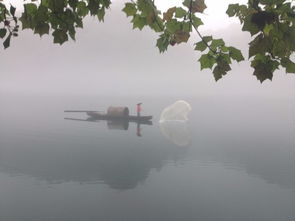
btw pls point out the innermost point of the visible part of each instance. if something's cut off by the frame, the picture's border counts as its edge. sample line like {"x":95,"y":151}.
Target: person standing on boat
{"x":138,"y":109}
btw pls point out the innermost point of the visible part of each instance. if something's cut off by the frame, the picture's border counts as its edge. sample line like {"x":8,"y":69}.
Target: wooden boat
{"x":117,"y":118}
{"x":103,"y":116}
{"x":114,"y":113}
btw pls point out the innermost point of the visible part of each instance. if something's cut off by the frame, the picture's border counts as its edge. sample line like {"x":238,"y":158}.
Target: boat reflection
{"x":117,"y":123}
{"x":118,"y":118}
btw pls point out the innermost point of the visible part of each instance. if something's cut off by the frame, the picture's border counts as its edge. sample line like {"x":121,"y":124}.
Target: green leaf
{"x":181,"y":36}
{"x":163,"y":43}
{"x":280,"y":49}
{"x":224,"y":49}
{"x":150,"y":19}
{"x":207,"y":38}
{"x":157,"y":26}
{"x":45,"y":3}
{"x":232,"y":10}
{"x":249,"y":26}
{"x":267,"y":28}
{"x":6,"y":43}
{"x":101,"y":14}
{"x":167,"y":16}
{"x":173,"y":25}
{"x":72,"y":33}
{"x":60,"y":36}
{"x":41,"y":29}
{"x":289,"y":65}
{"x":207,"y":61}
{"x":261,"y":18}
{"x":130,"y":9}
{"x":221,"y":69}
{"x":12,"y":10}
{"x":196,"y":6}
{"x":271,"y":2}
{"x":145,"y":6}
{"x":30,"y":9}
{"x":217,"y":43}
{"x":262,"y":72}
{"x":186,"y":26}
{"x":260,"y":45}
{"x":289,"y":37}
{"x":82,"y":9}
{"x":235,"y":54}
{"x":3,"y":32}
{"x":196,"y":21}
{"x":72,"y":3}
{"x":41,"y":14}
{"x":26,"y":22}
{"x":200,"y":46}
{"x":180,"y":12}
{"x":264,"y":67}
{"x":79,"y":23}
{"x":138,"y":22}
{"x":93,"y":6}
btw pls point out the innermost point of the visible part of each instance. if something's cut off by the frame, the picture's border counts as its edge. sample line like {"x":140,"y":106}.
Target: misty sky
{"x":112,"y":58}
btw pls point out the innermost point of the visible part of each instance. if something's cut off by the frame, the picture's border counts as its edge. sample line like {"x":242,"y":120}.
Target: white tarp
{"x":176,"y":112}
{"x":174,"y":123}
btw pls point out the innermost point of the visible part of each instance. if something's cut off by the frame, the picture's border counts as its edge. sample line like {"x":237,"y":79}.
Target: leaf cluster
{"x":176,"y":26}
{"x":61,"y":17}
{"x":144,"y":13}
{"x":10,"y":26}
{"x":271,"y":24}
{"x":219,"y":56}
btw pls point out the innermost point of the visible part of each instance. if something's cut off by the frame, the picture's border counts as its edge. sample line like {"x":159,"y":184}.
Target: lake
{"x":234,"y":160}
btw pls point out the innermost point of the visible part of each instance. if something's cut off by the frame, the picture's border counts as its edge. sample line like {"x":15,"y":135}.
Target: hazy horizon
{"x":231,"y":158}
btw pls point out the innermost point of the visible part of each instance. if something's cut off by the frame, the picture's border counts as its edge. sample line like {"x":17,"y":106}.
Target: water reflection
{"x":118,"y":118}
{"x":121,"y":162}
{"x":58,"y":151}
{"x":174,"y":123}
{"x":177,"y":132}
{"x":234,"y":166}
{"x":117,"y":124}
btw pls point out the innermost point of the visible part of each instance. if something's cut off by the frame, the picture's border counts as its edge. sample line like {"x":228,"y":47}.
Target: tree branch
{"x":191,"y":21}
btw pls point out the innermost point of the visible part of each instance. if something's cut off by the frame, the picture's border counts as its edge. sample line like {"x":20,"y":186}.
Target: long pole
{"x":78,"y":111}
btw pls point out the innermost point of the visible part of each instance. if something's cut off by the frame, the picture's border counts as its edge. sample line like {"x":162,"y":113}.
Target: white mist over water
{"x":235,"y":155}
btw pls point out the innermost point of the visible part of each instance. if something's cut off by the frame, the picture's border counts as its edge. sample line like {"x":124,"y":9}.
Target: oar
{"x":79,"y":111}
{"x":67,"y":118}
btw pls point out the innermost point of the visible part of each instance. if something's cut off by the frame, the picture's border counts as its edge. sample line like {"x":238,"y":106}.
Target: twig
{"x":156,"y":20}
{"x":191,"y":21}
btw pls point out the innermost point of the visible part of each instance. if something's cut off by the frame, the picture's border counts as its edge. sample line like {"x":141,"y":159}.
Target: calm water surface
{"x":233,"y":161}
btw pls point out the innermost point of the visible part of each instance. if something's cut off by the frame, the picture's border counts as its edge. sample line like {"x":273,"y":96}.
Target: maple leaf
{"x":195,"y":5}
{"x":181,"y":36}
{"x":169,"y":14}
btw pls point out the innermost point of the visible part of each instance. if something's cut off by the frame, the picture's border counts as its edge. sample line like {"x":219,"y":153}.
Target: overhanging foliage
{"x":271,"y":24}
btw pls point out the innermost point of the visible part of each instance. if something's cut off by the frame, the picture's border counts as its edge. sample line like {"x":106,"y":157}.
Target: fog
{"x":233,"y":159}
{"x":112,"y":58}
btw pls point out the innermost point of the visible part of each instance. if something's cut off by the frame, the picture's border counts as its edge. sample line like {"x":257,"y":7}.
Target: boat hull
{"x":101,"y":116}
